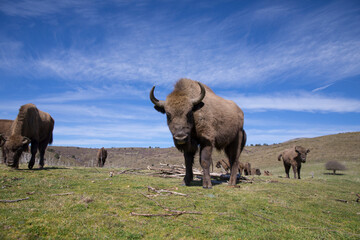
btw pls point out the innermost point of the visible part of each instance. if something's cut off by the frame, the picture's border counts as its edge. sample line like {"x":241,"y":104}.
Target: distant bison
{"x":224,"y":163}
{"x":30,"y":126}
{"x":267,"y":173}
{"x":101,"y":157}
{"x":197,"y":116}
{"x":293,"y":157}
{"x":247,"y":168}
{"x":255,"y":171}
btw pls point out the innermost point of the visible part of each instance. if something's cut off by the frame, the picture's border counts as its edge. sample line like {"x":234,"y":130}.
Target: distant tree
{"x":57,"y":156}
{"x":335,"y":166}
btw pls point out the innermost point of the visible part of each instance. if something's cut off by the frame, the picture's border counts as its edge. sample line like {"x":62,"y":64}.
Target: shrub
{"x":334,"y":165}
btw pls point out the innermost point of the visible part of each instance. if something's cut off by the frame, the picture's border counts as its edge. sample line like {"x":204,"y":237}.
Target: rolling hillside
{"x":341,"y":147}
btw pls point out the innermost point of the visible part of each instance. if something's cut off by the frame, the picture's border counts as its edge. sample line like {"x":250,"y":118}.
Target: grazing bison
{"x":225,"y":164}
{"x":30,"y":126}
{"x":5,"y":126}
{"x":197,"y":116}
{"x":255,"y":171}
{"x":101,"y":157}
{"x":293,"y":157}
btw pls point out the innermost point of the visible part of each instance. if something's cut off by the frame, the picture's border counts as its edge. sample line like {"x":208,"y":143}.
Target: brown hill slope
{"x":340,"y":147}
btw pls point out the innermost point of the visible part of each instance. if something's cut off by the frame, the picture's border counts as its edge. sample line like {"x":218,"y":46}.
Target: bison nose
{"x":180,"y":138}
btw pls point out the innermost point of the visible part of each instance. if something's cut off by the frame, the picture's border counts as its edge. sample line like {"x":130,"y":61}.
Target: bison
{"x":5,"y":126}
{"x":293,"y":157}
{"x":101,"y":157}
{"x":224,"y":163}
{"x":196,"y":116}
{"x":255,"y":171}
{"x":30,"y":126}
{"x":247,"y":169}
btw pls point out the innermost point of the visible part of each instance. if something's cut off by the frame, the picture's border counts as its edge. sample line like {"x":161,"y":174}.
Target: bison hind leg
{"x":233,"y":151}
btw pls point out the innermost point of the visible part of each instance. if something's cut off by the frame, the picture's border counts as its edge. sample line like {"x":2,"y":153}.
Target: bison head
{"x":302,"y":152}
{"x":179,"y":108}
{"x":13,"y":148}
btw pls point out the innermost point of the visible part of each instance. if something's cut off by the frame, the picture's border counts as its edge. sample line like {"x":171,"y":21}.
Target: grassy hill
{"x":340,"y":147}
{"x":86,"y":203}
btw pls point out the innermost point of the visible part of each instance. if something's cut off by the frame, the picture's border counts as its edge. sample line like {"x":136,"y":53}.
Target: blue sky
{"x":292,"y":66}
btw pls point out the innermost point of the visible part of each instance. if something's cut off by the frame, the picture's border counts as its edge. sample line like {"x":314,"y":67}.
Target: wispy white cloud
{"x":302,"y":102}
{"x":322,"y":88}
{"x":309,"y":45}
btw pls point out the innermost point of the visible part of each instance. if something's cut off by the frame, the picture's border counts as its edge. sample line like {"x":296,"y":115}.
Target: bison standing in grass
{"x":293,"y":157}
{"x":197,"y":116}
{"x":30,"y":126}
{"x":101,"y":157}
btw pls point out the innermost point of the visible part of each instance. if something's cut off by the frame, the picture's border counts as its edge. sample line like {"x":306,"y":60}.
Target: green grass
{"x":99,"y":206}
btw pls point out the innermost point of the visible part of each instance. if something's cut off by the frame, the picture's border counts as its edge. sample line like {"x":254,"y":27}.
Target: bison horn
{"x":26,"y":141}
{"x":154,"y":100}
{"x":202,"y":95}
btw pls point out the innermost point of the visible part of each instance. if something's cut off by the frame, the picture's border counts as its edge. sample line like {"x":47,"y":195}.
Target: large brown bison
{"x":5,"y":126}
{"x":197,"y":116}
{"x":101,"y":157}
{"x":293,"y":157}
{"x":225,"y":164}
{"x":30,"y":126}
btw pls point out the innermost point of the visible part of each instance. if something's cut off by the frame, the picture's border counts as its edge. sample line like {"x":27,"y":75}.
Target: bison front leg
{"x":298,"y":171}
{"x":294,"y":167}
{"x":205,"y":162}
{"x":42,"y":148}
{"x":189,"y":161}
{"x":34,"y":147}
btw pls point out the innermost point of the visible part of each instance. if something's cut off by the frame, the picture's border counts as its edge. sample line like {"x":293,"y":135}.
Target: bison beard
{"x":196,"y":116}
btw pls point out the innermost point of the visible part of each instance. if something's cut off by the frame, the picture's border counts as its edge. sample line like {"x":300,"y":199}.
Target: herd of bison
{"x":198,"y":119}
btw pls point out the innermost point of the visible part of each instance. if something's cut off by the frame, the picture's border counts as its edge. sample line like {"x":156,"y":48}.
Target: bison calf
{"x":293,"y":157}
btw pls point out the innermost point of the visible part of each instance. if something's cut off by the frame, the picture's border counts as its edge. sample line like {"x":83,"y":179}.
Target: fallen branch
{"x":16,"y":200}
{"x":177,"y":213}
{"x":61,"y":194}
{"x":341,"y":200}
{"x":159,"y":191}
{"x":173,"y":212}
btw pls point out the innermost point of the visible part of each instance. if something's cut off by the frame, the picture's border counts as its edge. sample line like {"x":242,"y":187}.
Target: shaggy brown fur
{"x":225,"y":164}
{"x":101,"y":157}
{"x":255,"y":171}
{"x":267,"y":173}
{"x":5,"y":126}
{"x":293,"y":157}
{"x":31,"y":125}
{"x":197,"y":116}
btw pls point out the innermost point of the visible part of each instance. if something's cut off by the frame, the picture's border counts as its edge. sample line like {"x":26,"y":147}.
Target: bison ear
{"x":308,"y":151}
{"x":197,"y":106}
{"x":159,"y":109}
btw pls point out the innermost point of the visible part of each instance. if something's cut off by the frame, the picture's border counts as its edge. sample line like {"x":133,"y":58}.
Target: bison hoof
{"x":207,"y":187}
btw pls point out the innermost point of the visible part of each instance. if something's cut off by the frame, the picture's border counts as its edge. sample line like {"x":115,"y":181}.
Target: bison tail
{"x":51,"y":138}
{"x":279,"y":157}
{"x":244,"y":138}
